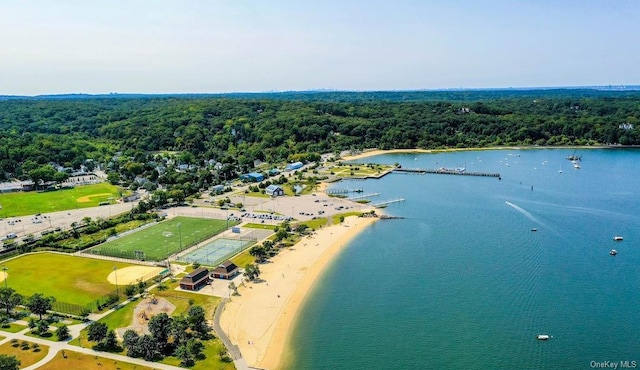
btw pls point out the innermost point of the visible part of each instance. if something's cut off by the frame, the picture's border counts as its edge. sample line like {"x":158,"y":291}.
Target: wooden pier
{"x":388,"y":202}
{"x":363,"y":196}
{"x":343,"y":191}
{"x":441,"y":171}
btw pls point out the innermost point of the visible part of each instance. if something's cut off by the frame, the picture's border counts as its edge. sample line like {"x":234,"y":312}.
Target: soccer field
{"x":164,"y":239}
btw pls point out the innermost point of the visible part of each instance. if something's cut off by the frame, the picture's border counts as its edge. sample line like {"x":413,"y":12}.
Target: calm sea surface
{"x":464,"y":283}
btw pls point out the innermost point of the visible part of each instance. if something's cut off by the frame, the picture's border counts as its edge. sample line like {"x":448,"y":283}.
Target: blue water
{"x":463,"y":283}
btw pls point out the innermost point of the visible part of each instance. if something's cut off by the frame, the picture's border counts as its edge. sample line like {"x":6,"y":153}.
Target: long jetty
{"x":364,"y":196}
{"x":441,"y":171}
{"x":388,"y":202}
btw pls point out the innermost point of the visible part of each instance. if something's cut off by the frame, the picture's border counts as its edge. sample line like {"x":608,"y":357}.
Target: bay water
{"x":463,"y":282}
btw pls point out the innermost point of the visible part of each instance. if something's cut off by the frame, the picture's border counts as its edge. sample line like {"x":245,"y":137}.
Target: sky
{"x":218,"y":46}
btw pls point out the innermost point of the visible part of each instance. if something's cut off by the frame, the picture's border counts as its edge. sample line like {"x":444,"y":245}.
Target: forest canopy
{"x":237,"y":129}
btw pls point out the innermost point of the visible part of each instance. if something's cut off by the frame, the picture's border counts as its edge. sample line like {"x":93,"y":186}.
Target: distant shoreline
{"x":373,"y":152}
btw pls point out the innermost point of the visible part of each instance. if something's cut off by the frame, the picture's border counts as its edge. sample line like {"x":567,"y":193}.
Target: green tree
{"x":97,"y":331}
{"x":183,"y":354}
{"x":160,"y":329}
{"x":196,"y":319}
{"x":39,"y":304}
{"x":130,"y":290}
{"x":9,"y":299}
{"x":9,"y":362}
{"x":147,"y":347}
{"x":42,"y":328}
{"x":251,"y":271}
{"x":63,"y":333}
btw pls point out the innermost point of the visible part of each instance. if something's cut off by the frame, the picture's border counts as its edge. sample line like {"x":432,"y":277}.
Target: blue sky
{"x":198,"y":46}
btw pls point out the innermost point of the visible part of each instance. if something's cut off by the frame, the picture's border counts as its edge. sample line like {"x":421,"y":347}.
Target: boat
{"x":574,"y":157}
{"x":534,"y":229}
{"x":576,"y":166}
{"x":617,"y":238}
{"x":542,"y":337}
{"x":613,"y":252}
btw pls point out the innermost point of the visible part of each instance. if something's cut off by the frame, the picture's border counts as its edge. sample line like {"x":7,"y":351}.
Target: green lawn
{"x":164,"y":239}
{"x":70,"y":279}
{"x":32,"y":202}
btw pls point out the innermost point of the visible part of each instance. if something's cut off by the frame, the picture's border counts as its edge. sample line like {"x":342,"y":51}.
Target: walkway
{"x":74,"y":332}
{"x":55,"y":347}
{"x":234,"y":350}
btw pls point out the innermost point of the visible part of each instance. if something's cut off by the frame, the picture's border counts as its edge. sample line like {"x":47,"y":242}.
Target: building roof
{"x":225,"y":267}
{"x":195,"y":275}
{"x":272,"y":188}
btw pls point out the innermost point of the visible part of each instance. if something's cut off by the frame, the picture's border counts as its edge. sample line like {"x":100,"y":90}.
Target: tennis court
{"x":216,"y":251}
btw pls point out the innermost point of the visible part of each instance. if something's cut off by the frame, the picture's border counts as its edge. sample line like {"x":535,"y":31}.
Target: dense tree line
{"x":126,"y":133}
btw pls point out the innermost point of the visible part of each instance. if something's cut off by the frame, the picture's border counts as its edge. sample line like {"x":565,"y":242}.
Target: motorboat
{"x":617,"y":238}
{"x":543,"y":336}
{"x":613,"y":252}
{"x":534,"y":229}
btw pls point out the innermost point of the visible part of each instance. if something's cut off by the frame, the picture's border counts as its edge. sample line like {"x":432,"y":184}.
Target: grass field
{"x":27,"y":356}
{"x":32,"y":202}
{"x":164,"y":239}
{"x":75,"y":360}
{"x":69,"y":279}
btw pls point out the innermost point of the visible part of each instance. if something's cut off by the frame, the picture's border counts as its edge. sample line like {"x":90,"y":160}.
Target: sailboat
{"x":574,"y":157}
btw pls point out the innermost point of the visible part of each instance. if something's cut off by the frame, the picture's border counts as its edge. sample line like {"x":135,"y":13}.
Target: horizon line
{"x":618,"y":87}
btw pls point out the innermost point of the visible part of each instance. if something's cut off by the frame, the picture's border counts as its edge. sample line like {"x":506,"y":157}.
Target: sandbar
{"x":261,"y":318}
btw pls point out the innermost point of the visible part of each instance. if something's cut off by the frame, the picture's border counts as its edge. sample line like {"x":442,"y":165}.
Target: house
{"x":293,"y":166}
{"x":253,"y":177}
{"x":274,"y":191}
{"x":196,"y":279}
{"x":227,"y":270}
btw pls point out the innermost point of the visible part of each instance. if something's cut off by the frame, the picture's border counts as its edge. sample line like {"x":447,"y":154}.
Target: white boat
{"x":576,"y":166}
{"x":542,"y":337}
{"x":534,"y":229}
{"x":613,"y":252}
{"x":617,"y":238}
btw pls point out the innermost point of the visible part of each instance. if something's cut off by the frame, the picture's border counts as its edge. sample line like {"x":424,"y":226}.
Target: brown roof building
{"x":226,"y":270}
{"x":196,"y":279}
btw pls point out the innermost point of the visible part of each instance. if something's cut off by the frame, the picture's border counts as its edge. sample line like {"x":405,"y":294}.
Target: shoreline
{"x":261,"y":320}
{"x":374,"y":152}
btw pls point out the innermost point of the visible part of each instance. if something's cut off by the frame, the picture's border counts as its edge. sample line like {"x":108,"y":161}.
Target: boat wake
{"x":536,"y":220}
{"x":524,"y":212}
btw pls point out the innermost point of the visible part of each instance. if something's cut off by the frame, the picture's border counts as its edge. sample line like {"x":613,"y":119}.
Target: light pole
{"x":4,"y":268}
{"x":115,"y":272}
{"x":180,"y":234}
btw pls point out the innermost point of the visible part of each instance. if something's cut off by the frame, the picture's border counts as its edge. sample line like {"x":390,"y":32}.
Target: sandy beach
{"x":261,"y":318}
{"x":371,"y":153}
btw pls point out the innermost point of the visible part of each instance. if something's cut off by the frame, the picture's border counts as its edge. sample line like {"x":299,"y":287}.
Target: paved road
{"x":234,"y":350}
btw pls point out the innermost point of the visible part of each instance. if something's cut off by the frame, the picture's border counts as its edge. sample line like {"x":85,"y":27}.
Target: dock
{"x":343,"y":191}
{"x":364,"y":196}
{"x":380,"y":204}
{"x":441,"y":171}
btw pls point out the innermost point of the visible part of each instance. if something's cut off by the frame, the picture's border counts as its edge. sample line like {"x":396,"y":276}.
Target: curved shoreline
{"x":261,"y":320}
{"x":374,"y":152}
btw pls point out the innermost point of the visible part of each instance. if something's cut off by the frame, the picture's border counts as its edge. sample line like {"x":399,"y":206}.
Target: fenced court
{"x":216,"y":251}
{"x":162,"y":240}
{"x":220,"y":249}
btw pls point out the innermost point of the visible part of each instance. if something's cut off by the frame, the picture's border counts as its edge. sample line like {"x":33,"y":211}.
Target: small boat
{"x":576,"y":166}
{"x":534,"y":229}
{"x":613,"y":252}
{"x":542,"y":337}
{"x":617,"y":238}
